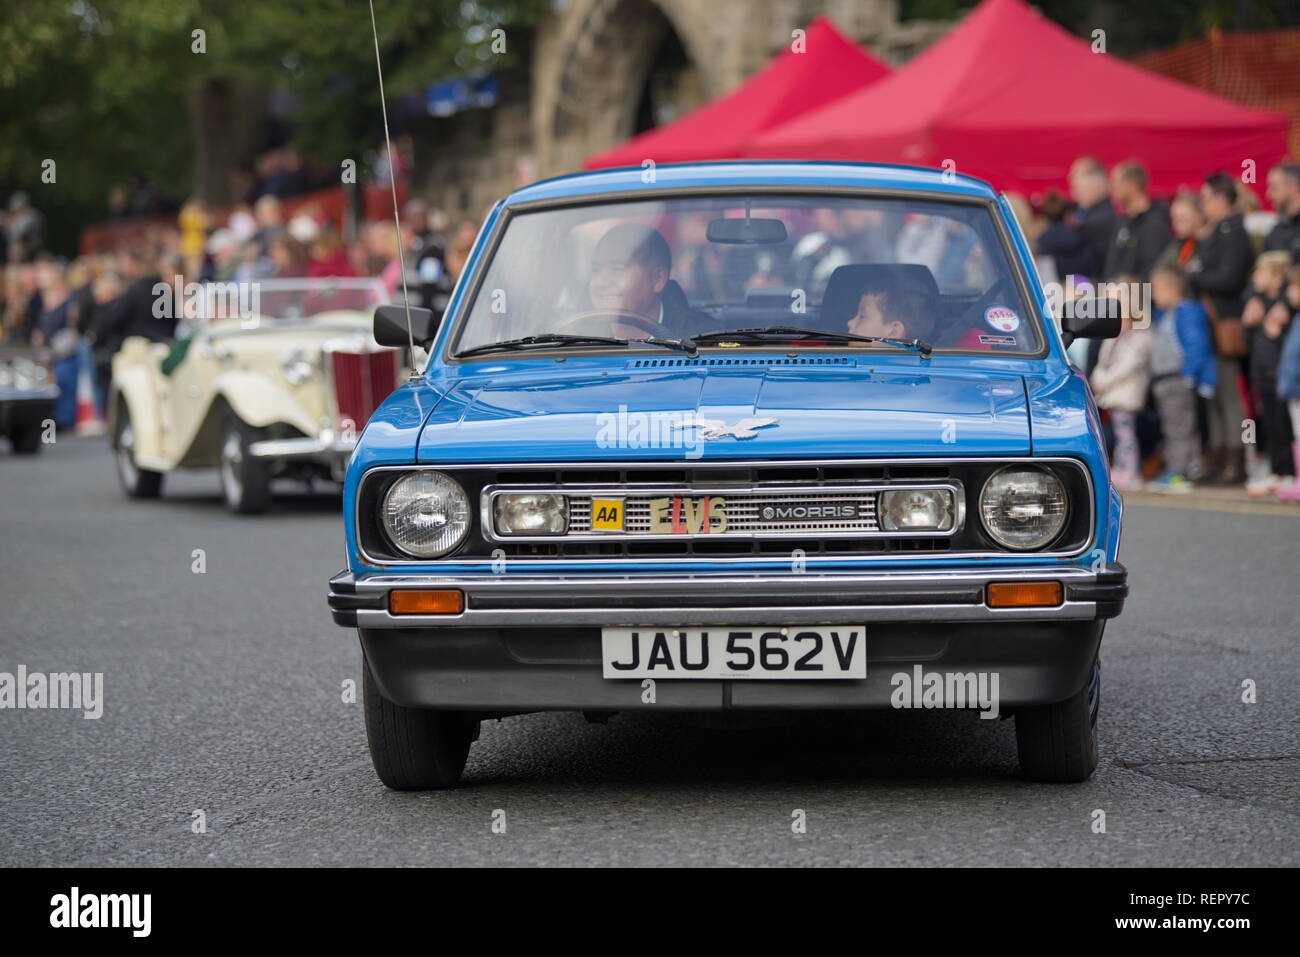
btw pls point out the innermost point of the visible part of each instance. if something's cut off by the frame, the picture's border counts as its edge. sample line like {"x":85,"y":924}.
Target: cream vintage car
{"x":278,"y":391}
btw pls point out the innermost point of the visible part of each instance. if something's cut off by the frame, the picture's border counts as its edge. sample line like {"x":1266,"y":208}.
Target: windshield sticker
{"x":1002,"y":318}
{"x":997,"y":340}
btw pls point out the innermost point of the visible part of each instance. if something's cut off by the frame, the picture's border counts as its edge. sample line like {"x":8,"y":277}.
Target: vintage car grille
{"x":362,"y":380}
{"x":793,"y":512}
{"x":748,"y":487}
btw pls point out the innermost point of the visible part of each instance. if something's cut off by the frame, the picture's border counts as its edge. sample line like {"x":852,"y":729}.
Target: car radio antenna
{"x":392,"y":182}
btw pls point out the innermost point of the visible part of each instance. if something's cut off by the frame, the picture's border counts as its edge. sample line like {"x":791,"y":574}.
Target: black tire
{"x":1058,"y":742}
{"x":136,"y":482}
{"x":25,"y":437}
{"x":415,"y":749}
{"x":245,"y":480}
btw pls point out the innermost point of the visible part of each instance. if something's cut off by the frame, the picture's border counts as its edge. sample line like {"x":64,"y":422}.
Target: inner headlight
{"x":297,"y":366}
{"x":916,"y":510}
{"x":24,"y":374}
{"x":530,"y":513}
{"x":6,"y":375}
{"x":426,"y":514}
{"x":1023,"y":508}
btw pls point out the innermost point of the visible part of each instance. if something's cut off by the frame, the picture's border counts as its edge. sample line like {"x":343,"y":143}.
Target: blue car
{"x":731,"y":437}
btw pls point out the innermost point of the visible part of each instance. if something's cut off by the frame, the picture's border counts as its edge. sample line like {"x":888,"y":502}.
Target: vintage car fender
{"x":260,"y":401}
{"x":134,"y":374}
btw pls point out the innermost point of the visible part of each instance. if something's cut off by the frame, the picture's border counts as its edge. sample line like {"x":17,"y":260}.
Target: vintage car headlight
{"x":529,"y":513}
{"x":297,"y":366}
{"x":1023,"y":508}
{"x":426,"y":514}
{"x":29,"y":374}
{"x":916,"y":510}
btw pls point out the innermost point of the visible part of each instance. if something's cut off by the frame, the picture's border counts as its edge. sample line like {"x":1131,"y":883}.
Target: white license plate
{"x":793,"y":652}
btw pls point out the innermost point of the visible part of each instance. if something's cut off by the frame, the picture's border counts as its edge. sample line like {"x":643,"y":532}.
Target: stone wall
{"x":587,"y":64}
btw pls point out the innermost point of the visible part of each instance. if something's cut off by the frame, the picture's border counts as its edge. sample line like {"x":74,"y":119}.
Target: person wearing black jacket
{"x":130,"y":314}
{"x":106,"y":320}
{"x":1142,"y":231}
{"x":1217,"y":274}
{"x":1284,"y":194}
{"x":1090,"y":191}
{"x":1063,"y":240}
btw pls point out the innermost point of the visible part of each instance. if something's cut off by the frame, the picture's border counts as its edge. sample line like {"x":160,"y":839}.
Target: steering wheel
{"x":996,"y":294}
{"x":634,"y":319}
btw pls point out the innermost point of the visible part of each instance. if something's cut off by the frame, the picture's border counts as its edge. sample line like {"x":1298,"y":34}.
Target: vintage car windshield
{"x":905,"y":267}
{"x":294,"y":300}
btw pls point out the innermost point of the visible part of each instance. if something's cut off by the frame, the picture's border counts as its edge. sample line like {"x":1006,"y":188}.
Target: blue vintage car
{"x":730,"y":437}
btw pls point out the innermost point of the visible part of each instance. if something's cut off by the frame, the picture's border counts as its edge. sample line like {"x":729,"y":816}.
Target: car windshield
{"x":294,"y":300}
{"x":881,"y":268}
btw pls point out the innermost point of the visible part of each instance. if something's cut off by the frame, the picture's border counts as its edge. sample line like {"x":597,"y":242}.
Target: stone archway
{"x":592,"y":66}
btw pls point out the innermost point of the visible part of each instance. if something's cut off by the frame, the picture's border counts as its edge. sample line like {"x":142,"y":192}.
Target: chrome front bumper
{"x":515,"y":601}
{"x":327,"y":445}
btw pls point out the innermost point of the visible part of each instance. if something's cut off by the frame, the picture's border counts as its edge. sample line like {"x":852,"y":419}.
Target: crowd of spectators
{"x":1203,"y":388}
{"x":1206,"y":387}
{"x":81,"y":310}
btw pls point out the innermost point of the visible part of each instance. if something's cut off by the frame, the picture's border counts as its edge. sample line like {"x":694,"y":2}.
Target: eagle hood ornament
{"x":718,"y":429}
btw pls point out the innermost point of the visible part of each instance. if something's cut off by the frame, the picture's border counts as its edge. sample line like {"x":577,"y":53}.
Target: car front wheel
{"x":245,"y":479}
{"x":1058,"y":742}
{"x":136,"y":482}
{"x":415,"y":749}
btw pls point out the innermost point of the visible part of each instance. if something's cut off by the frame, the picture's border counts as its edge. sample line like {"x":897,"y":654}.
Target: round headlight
{"x":1023,"y":507}
{"x":529,"y":513}
{"x":916,"y":510}
{"x":297,"y":366}
{"x":426,"y":514}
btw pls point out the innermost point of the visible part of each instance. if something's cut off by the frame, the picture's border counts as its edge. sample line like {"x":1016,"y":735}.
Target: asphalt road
{"x":222,"y":693}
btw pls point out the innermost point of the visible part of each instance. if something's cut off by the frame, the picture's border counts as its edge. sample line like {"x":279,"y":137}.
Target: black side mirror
{"x":1091,"y":317}
{"x":390,"y":325}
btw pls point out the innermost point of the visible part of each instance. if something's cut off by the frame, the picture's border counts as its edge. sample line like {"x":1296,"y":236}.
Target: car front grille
{"x":747,"y":487}
{"x":751,"y":513}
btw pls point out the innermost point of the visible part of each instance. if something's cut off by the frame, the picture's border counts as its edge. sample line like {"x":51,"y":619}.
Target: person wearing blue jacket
{"x":1182,"y":368}
{"x":1288,"y":381}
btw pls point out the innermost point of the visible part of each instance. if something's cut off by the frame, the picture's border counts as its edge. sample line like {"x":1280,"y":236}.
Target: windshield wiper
{"x":794,"y":333}
{"x":559,"y":338}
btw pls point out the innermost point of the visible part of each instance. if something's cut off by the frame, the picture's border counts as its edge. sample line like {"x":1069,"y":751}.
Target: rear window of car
{"x":678,"y":267}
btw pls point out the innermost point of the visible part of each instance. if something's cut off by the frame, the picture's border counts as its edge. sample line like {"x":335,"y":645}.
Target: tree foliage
{"x":103,"y":87}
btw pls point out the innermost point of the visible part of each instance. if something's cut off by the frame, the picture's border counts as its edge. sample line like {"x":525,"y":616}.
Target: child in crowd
{"x":1266,"y":316}
{"x":1182,"y":367}
{"x":1288,"y":382}
{"x":1119,"y":383}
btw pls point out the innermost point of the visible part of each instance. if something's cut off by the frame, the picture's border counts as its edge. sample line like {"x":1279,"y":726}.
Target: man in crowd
{"x":427,"y":254}
{"x":1090,"y":191}
{"x":1284,"y":194}
{"x":1142,"y":231}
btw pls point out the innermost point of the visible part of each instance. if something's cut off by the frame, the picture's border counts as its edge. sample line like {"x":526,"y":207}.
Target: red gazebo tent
{"x":830,"y":66}
{"x":1012,"y":98}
